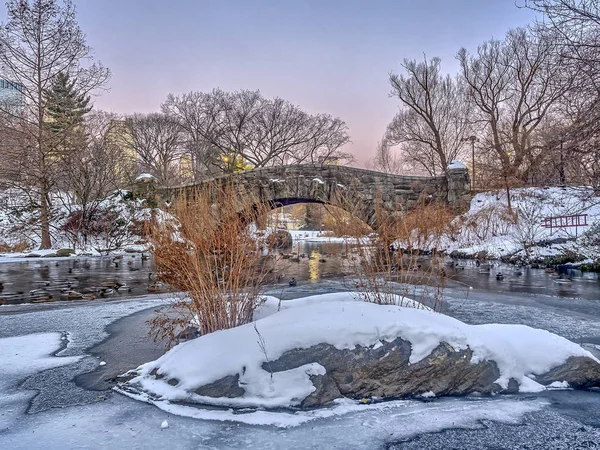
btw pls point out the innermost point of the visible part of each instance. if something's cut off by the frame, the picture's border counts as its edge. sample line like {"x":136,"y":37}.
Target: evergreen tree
{"x":65,"y":105}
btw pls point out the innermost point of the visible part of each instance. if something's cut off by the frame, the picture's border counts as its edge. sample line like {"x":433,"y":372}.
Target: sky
{"x":327,"y":56}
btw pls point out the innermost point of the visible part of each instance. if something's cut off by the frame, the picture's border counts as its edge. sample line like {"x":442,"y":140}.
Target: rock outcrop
{"x":384,"y":372}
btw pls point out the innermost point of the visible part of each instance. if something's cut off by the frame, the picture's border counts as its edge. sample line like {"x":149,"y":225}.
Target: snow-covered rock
{"x":311,"y":352}
{"x":145,"y":178}
{"x":455,"y":164}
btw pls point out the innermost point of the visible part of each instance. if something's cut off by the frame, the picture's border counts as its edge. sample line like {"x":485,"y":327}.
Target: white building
{"x":11,"y":96}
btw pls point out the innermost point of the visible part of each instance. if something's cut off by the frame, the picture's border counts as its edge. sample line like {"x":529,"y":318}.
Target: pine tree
{"x":65,"y":105}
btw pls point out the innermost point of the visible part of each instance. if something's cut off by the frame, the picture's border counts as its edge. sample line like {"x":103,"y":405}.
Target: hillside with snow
{"x":489,"y":228}
{"x":109,"y":224}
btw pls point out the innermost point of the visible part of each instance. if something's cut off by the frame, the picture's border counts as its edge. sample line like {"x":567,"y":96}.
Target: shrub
{"x":210,"y":254}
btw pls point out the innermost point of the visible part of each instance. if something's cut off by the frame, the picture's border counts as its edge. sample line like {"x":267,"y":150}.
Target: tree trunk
{"x":507,"y":186}
{"x":45,"y":221}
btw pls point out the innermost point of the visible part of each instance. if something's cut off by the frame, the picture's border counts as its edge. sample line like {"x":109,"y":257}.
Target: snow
{"x":145,"y":177}
{"x":26,"y":355}
{"x":318,"y":180}
{"x":488,"y":227}
{"x":456,"y":165}
{"x":558,"y":385}
{"x":520,"y":352}
{"x":269,"y":305}
{"x":318,"y":236}
{"x":122,"y":423}
{"x":19,"y":222}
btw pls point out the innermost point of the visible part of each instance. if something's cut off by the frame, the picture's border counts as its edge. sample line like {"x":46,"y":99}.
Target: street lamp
{"x":561,"y":169}
{"x":473,"y":139}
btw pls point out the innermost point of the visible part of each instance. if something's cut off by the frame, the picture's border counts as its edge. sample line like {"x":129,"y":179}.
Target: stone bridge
{"x":364,"y":193}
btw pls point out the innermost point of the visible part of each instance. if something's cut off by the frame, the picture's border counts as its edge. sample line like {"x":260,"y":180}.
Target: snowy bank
{"x":108,"y":225}
{"x":319,"y":236}
{"x":313,"y":352}
{"x":488,"y":228}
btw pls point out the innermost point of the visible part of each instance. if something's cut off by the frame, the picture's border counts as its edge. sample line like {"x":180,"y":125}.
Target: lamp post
{"x":473,"y":139}
{"x":561,"y":169}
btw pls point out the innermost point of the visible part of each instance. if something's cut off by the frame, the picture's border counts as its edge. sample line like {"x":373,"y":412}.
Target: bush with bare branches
{"x":211,"y":254}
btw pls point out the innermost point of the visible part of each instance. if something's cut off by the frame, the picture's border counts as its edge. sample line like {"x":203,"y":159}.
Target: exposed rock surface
{"x":225,"y":387}
{"x":384,"y":371}
{"x":579,"y":372}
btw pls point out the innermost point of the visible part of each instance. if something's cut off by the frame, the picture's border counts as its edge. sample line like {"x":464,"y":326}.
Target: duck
{"x":292,"y":282}
{"x":73,"y":295}
{"x":499,"y":276}
{"x":119,"y":286}
{"x":155,"y":286}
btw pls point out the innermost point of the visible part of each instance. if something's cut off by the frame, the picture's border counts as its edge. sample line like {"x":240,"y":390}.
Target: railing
{"x":575,"y":220}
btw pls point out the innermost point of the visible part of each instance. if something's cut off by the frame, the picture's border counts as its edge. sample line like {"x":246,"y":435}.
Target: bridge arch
{"x":360,"y":192}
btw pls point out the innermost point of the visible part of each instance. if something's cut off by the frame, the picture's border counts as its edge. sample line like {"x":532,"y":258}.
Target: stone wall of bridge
{"x":362,"y":192}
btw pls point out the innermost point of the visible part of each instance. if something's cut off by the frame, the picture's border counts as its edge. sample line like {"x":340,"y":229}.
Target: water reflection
{"x":314,"y":266}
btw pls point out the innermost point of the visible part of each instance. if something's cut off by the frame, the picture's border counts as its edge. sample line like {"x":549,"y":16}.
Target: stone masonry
{"x":365,"y":193}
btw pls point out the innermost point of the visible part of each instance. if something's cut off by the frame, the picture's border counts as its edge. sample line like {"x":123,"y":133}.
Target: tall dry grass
{"x":209,"y":252}
{"x":400,"y":259}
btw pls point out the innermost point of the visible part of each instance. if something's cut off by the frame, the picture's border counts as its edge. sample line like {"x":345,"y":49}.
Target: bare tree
{"x":385,"y":160}
{"x":433,"y":116}
{"x":515,"y":85}
{"x":157,"y":140}
{"x":575,"y":26}
{"x":100,"y":167}
{"x":40,"y":40}
{"x":245,"y":128}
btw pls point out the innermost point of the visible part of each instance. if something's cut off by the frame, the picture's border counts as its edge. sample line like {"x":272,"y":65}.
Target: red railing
{"x":576,"y":220}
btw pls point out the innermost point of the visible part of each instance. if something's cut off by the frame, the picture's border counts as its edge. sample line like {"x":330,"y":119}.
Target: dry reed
{"x":210,"y":252}
{"x":400,"y":258}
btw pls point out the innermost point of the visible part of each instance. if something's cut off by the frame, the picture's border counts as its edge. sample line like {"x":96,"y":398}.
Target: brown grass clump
{"x":402,"y":255}
{"x":210,"y":253}
{"x":19,"y":247}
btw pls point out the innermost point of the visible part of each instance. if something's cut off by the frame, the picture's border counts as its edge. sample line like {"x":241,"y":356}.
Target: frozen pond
{"x":60,"y":403}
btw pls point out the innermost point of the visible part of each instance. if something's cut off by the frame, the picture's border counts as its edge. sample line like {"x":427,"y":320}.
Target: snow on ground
{"x":319,"y":236}
{"x":519,"y":351}
{"x":487,"y":226}
{"x":22,"y":356}
{"x":19,"y":222}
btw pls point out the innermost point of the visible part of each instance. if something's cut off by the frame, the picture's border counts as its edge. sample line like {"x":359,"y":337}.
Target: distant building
{"x":12,"y":99}
{"x":330,"y":160}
